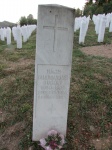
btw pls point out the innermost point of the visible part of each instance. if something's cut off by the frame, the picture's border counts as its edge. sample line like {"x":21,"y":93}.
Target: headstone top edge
{"x":56,"y":5}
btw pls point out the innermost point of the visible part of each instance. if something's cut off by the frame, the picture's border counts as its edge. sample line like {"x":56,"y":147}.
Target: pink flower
{"x":48,"y":148}
{"x":52,"y":132}
{"x":53,"y":144}
{"x":60,"y":147}
{"x":43,"y":143}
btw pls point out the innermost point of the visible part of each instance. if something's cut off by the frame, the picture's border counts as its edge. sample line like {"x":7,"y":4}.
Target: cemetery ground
{"x":90,"y":103}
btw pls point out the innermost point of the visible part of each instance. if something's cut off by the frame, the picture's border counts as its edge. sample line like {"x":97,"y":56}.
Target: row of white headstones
{"x":19,"y":33}
{"x":101,"y":22}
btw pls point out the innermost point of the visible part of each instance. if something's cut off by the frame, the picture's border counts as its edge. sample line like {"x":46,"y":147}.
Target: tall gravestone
{"x":2,"y":34}
{"x":52,"y":69}
{"x":19,"y":37}
{"x":83,"y":29}
{"x":14,"y":32}
{"x":102,"y":27}
{"x":110,"y":28}
{"x":8,"y":35}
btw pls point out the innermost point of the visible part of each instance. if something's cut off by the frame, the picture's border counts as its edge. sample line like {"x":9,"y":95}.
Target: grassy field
{"x":90,"y":102}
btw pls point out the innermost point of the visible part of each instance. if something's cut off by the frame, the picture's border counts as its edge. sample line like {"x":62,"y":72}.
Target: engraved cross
{"x":55,"y":28}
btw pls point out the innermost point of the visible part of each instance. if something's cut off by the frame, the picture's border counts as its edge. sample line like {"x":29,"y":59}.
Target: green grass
{"x":90,"y":102}
{"x":91,"y":79}
{"x":91,"y":37}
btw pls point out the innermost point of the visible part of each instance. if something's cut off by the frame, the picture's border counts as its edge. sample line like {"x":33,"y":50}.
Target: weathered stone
{"x":52,"y":69}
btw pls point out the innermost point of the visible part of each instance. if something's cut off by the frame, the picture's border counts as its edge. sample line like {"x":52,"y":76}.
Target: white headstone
{"x":77,"y":23}
{"x":98,"y":21}
{"x":83,"y":30}
{"x":19,"y":37}
{"x":2,"y":34}
{"x":24,"y":33}
{"x":8,"y":36}
{"x":108,"y":20}
{"x":14,"y":33}
{"x":52,"y":69}
{"x":110,"y":28}
{"x":5,"y":32}
{"x":102,"y":27}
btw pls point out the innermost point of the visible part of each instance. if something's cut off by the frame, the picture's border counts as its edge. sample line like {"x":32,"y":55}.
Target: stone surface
{"x":110,"y":28}
{"x":97,"y":24}
{"x":19,"y":37}
{"x":14,"y":33}
{"x":31,"y":148}
{"x":2,"y":37}
{"x":83,"y":30}
{"x":52,"y":69}
{"x":8,"y":36}
{"x":102,"y":27}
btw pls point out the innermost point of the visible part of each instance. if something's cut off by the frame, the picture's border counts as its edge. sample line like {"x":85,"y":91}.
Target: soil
{"x":102,"y":50}
{"x":11,"y":137}
{"x":22,"y":64}
{"x":103,"y":143}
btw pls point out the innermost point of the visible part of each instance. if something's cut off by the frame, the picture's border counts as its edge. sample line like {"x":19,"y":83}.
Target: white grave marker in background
{"x":19,"y":37}
{"x":102,"y":27}
{"x":110,"y":28}
{"x":2,"y":34}
{"x":8,"y":35}
{"x":83,"y":29}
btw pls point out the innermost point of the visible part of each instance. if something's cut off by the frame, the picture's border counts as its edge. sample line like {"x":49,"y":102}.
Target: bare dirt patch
{"x":7,"y":80}
{"x":23,"y":63}
{"x":102,"y":143}
{"x":102,"y":50}
{"x":3,"y":116}
{"x":15,"y":67}
{"x":10,"y":48}
{"x":11,"y":137}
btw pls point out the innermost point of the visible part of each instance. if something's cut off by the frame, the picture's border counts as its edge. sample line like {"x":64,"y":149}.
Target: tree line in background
{"x":97,"y":7}
{"x":91,"y":7}
{"x":29,"y":20}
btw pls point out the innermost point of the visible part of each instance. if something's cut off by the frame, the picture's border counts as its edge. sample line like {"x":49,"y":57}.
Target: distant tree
{"x":29,"y":20}
{"x":89,"y":10}
{"x":99,"y":10}
{"x":35,"y":21}
{"x":23,"y":21}
{"x":78,"y":12}
{"x":107,"y":7}
{"x":30,"y":16}
{"x":97,"y":7}
{"x":101,"y":2}
{"x":90,"y":2}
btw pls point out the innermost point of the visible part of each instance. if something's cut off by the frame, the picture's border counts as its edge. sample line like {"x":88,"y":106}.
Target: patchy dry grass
{"x":16,"y":91}
{"x":90,"y":100}
{"x":90,"y":103}
{"x":12,"y":135}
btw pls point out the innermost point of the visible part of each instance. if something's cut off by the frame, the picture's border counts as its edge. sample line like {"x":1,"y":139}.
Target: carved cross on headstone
{"x":55,"y":28}
{"x":54,"y":46}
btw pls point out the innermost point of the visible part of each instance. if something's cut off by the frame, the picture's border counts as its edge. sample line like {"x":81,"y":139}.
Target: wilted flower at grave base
{"x":54,"y":141}
{"x":52,"y":132}
{"x":43,"y":143}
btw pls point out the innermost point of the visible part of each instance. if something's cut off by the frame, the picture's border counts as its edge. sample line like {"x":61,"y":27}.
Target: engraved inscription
{"x":55,"y":28}
{"x":52,"y":84}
